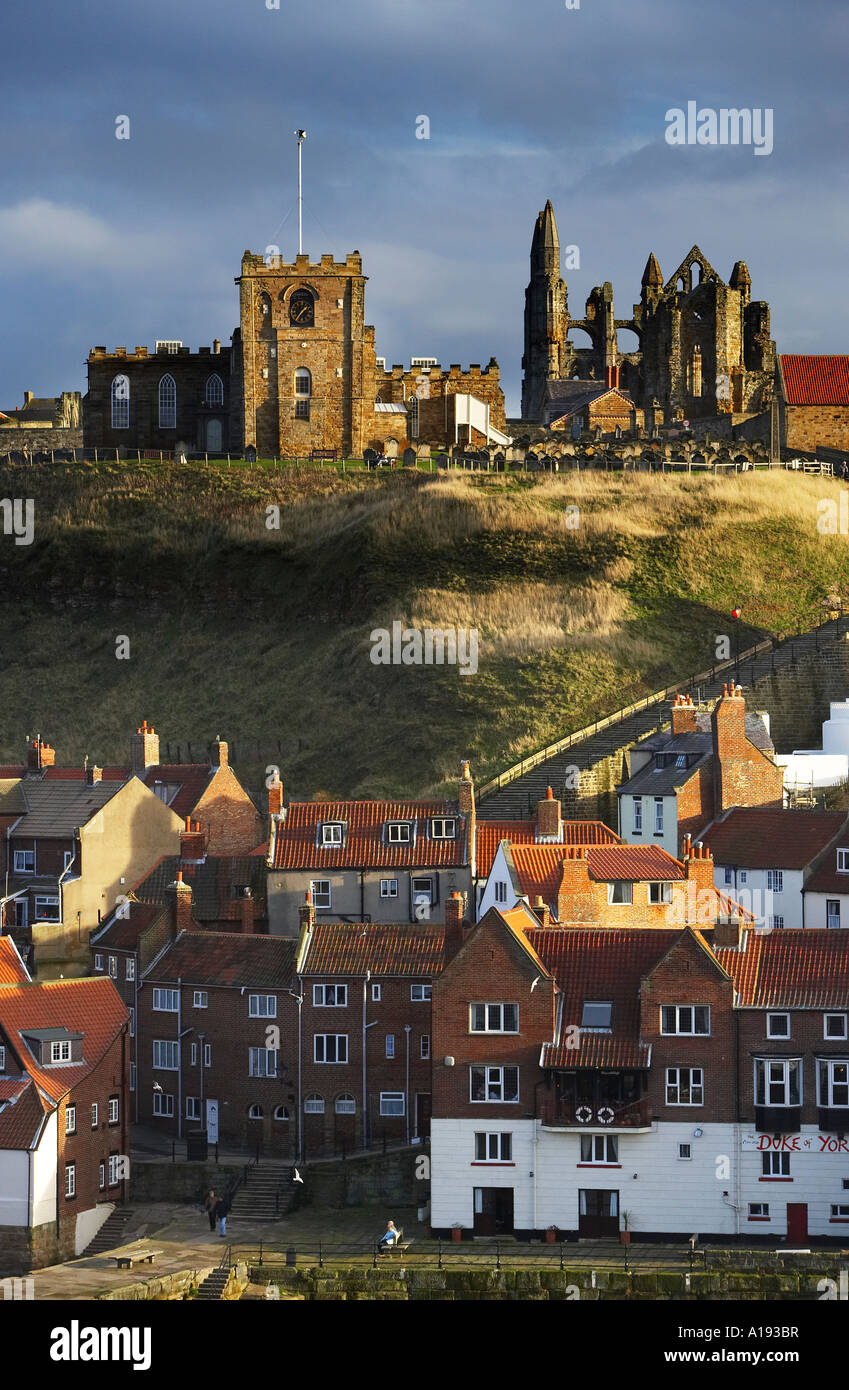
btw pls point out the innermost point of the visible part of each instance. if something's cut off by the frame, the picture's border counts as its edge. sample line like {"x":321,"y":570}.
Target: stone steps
{"x":112,"y":1233}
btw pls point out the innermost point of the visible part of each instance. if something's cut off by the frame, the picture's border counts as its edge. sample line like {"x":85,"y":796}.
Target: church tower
{"x":546,"y":317}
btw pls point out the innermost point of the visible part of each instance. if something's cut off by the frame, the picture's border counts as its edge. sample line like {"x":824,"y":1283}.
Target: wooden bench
{"x":328,"y":455}
{"x":135,"y":1257}
{"x":399,"y":1244}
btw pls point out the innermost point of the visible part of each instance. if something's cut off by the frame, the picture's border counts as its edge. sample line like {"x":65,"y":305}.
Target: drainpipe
{"x":180,"y":1058}
{"x":366,"y":979}
{"x":300,"y":1065}
{"x":407,"y":1028}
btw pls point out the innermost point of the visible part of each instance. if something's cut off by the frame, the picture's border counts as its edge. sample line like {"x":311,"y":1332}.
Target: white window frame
{"x":200,"y":999}
{"x":843,"y":861}
{"x":607,"y":1145}
{"x":390,"y":1044}
{"x":493,"y":1018}
{"x":420,"y":994}
{"x":314,"y":1104}
{"x":832,"y":913}
{"x":163,"y":1105}
{"x":494,"y":1078}
{"x":332,"y":834}
{"x":98,"y":961}
{"x":675,"y":1083}
{"x":825,"y":1092}
{"x":119,"y":398}
{"x":192,"y":1107}
{"x":424,"y":1047}
{"x":262,"y":1006}
{"x":389,"y":887}
{"x":777,"y":922}
{"x":775,"y":880}
{"x":685,"y":1157}
{"x":321,"y":1044}
{"x":439,"y":828}
{"x":637,"y":803}
{"x":375,"y":994}
{"x":21,"y":854}
{"x":394,"y":834}
{"x":162,"y":1001}
{"x":46,"y":899}
{"x":113,"y":1110}
{"x":207,"y":1054}
{"x":658,"y":815}
{"x":101,"y":1177}
{"x":168,"y":1048}
{"x":130,"y":968}
{"x":759,"y":1210}
{"x":660,"y":893}
{"x":94,"y":1114}
{"x":214,"y":394}
{"x":769,"y":1028}
{"x":834,"y":1037}
{"x":775,"y":1165}
{"x":320,"y":996}
{"x":500,"y":890}
{"x":763,"y":1066}
{"x":392,"y":1103}
{"x":422,"y":894}
{"x":321,"y":896}
{"x":60,"y":1052}
{"x":620,"y":884}
{"x":70,"y":1119}
{"x":112,"y":1170}
{"x":678,"y":1031}
{"x":345,"y":1105}
{"x":262,"y":1061}
{"x":166,"y":399}
{"x":70,"y":1179}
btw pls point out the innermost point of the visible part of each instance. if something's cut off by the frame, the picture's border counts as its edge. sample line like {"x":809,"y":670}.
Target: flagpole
{"x":302,"y":135}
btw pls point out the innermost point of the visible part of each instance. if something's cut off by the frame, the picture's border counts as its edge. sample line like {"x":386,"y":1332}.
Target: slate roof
{"x":815,"y":379}
{"x":227,"y":959}
{"x":89,"y":1006}
{"x":564,"y":396}
{"x":337,"y":948}
{"x":212,"y":884}
{"x":764,"y":839}
{"x":121,"y":933}
{"x":662,"y":781}
{"x":490,"y":833}
{"x":537,"y":867}
{"x":12,"y":969}
{"x":55,"y":809}
{"x":296,"y":844}
{"x":790,"y":969}
{"x":603,"y":965}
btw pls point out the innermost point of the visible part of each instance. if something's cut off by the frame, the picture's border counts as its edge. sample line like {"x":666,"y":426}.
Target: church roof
{"x":815,"y":380}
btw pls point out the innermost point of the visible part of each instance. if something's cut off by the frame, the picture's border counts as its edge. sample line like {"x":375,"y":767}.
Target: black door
{"x":598,"y":1213}
{"x":493,"y":1211}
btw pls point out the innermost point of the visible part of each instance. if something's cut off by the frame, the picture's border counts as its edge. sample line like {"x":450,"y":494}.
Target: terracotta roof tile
{"x":538,"y":866}
{"x":763,"y":839}
{"x":490,"y":833}
{"x":227,"y":959}
{"x":12,"y":969}
{"x":21,"y":1120}
{"x":89,"y":1006}
{"x":296,"y":840}
{"x":815,"y":380}
{"x":790,"y":969}
{"x":337,"y":948}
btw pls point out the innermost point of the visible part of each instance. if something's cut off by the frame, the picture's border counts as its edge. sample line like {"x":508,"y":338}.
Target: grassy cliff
{"x":260,"y":633}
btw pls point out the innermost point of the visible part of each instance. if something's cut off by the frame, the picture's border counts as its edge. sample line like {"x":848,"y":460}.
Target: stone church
{"x":300,"y":376}
{"x":704,"y":351}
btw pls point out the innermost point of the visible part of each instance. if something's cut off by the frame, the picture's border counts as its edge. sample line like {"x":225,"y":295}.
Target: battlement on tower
{"x":259,"y":263}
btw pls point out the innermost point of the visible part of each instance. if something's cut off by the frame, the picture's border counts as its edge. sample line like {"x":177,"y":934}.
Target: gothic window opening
{"x":167,"y":403}
{"x":214,"y":390}
{"x":121,"y":403}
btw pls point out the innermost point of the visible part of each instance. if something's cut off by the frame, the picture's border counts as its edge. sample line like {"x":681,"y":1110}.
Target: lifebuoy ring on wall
{"x":583,"y":1114}
{"x":606,"y":1115}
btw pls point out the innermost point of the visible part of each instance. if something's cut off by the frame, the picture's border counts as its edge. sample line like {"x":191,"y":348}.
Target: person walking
{"x":209,"y":1205}
{"x":222,"y":1208}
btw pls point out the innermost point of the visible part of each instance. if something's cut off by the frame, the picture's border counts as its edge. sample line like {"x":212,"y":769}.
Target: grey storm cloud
{"x":120,"y":242}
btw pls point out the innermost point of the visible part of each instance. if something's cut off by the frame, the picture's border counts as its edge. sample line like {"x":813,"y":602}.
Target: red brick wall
{"x":228,"y":816}
{"x":806,"y":1041}
{"x":687,"y":976}
{"x":491,"y":967}
{"x":88,"y":1147}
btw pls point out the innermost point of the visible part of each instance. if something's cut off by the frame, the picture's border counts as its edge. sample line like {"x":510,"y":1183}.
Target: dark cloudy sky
{"x":123,"y":242}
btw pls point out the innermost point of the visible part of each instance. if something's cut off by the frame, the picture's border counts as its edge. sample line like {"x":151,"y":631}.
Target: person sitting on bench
{"x":387,"y":1241}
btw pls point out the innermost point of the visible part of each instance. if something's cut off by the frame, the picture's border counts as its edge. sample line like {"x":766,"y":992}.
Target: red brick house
{"x":64,"y":1142}
{"x":707,"y":763}
{"x":546,"y":827}
{"x":365,"y":1031}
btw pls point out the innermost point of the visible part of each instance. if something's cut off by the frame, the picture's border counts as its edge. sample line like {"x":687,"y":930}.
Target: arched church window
{"x":121,"y":403}
{"x":168,"y":403}
{"x":214,"y":390}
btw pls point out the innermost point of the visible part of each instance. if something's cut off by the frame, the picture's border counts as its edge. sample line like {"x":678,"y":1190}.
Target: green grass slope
{"x":261,"y":633}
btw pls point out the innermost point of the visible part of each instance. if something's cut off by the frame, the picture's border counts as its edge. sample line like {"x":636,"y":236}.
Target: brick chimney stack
{"x":275,"y":795}
{"x":306,"y":913}
{"x":548,"y":817}
{"x":247,"y":906}
{"x":454,"y":927}
{"x":728,"y":932}
{"x":575,"y":898}
{"x":40,"y":755}
{"x":192,"y":842}
{"x":542,"y":912}
{"x":466,"y":802}
{"x":220,"y":754}
{"x":182,"y":904}
{"x":698,"y":866}
{"x":93,"y":775}
{"x":684,"y":715}
{"x":144,"y":748}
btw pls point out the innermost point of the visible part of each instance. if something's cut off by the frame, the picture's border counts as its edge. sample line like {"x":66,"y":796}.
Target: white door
{"x":212,"y":1121}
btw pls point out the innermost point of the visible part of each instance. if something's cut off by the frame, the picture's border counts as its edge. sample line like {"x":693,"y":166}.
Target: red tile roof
{"x":538,"y":866}
{"x":490,"y":833}
{"x":760,"y":839}
{"x":194,"y":778}
{"x":600,"y":964}
{"x":296,"y":838}
{"x":337,"y":948}
{"x":815,"y":380}
{"x":12,"y":969}
{"x":21,"y":1120}
{"x":227,"y":959}
{"x":790,"y":969}
{"x":90,"y":1006}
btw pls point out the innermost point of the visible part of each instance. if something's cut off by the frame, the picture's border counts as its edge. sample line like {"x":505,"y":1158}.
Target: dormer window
{"x":399,"y":832}
{"x":332,"y":833}
{"x":843,"y":861}
{"x":681,"y":760}
{"x":597,"y":1016}
{"x":443,"y":828}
